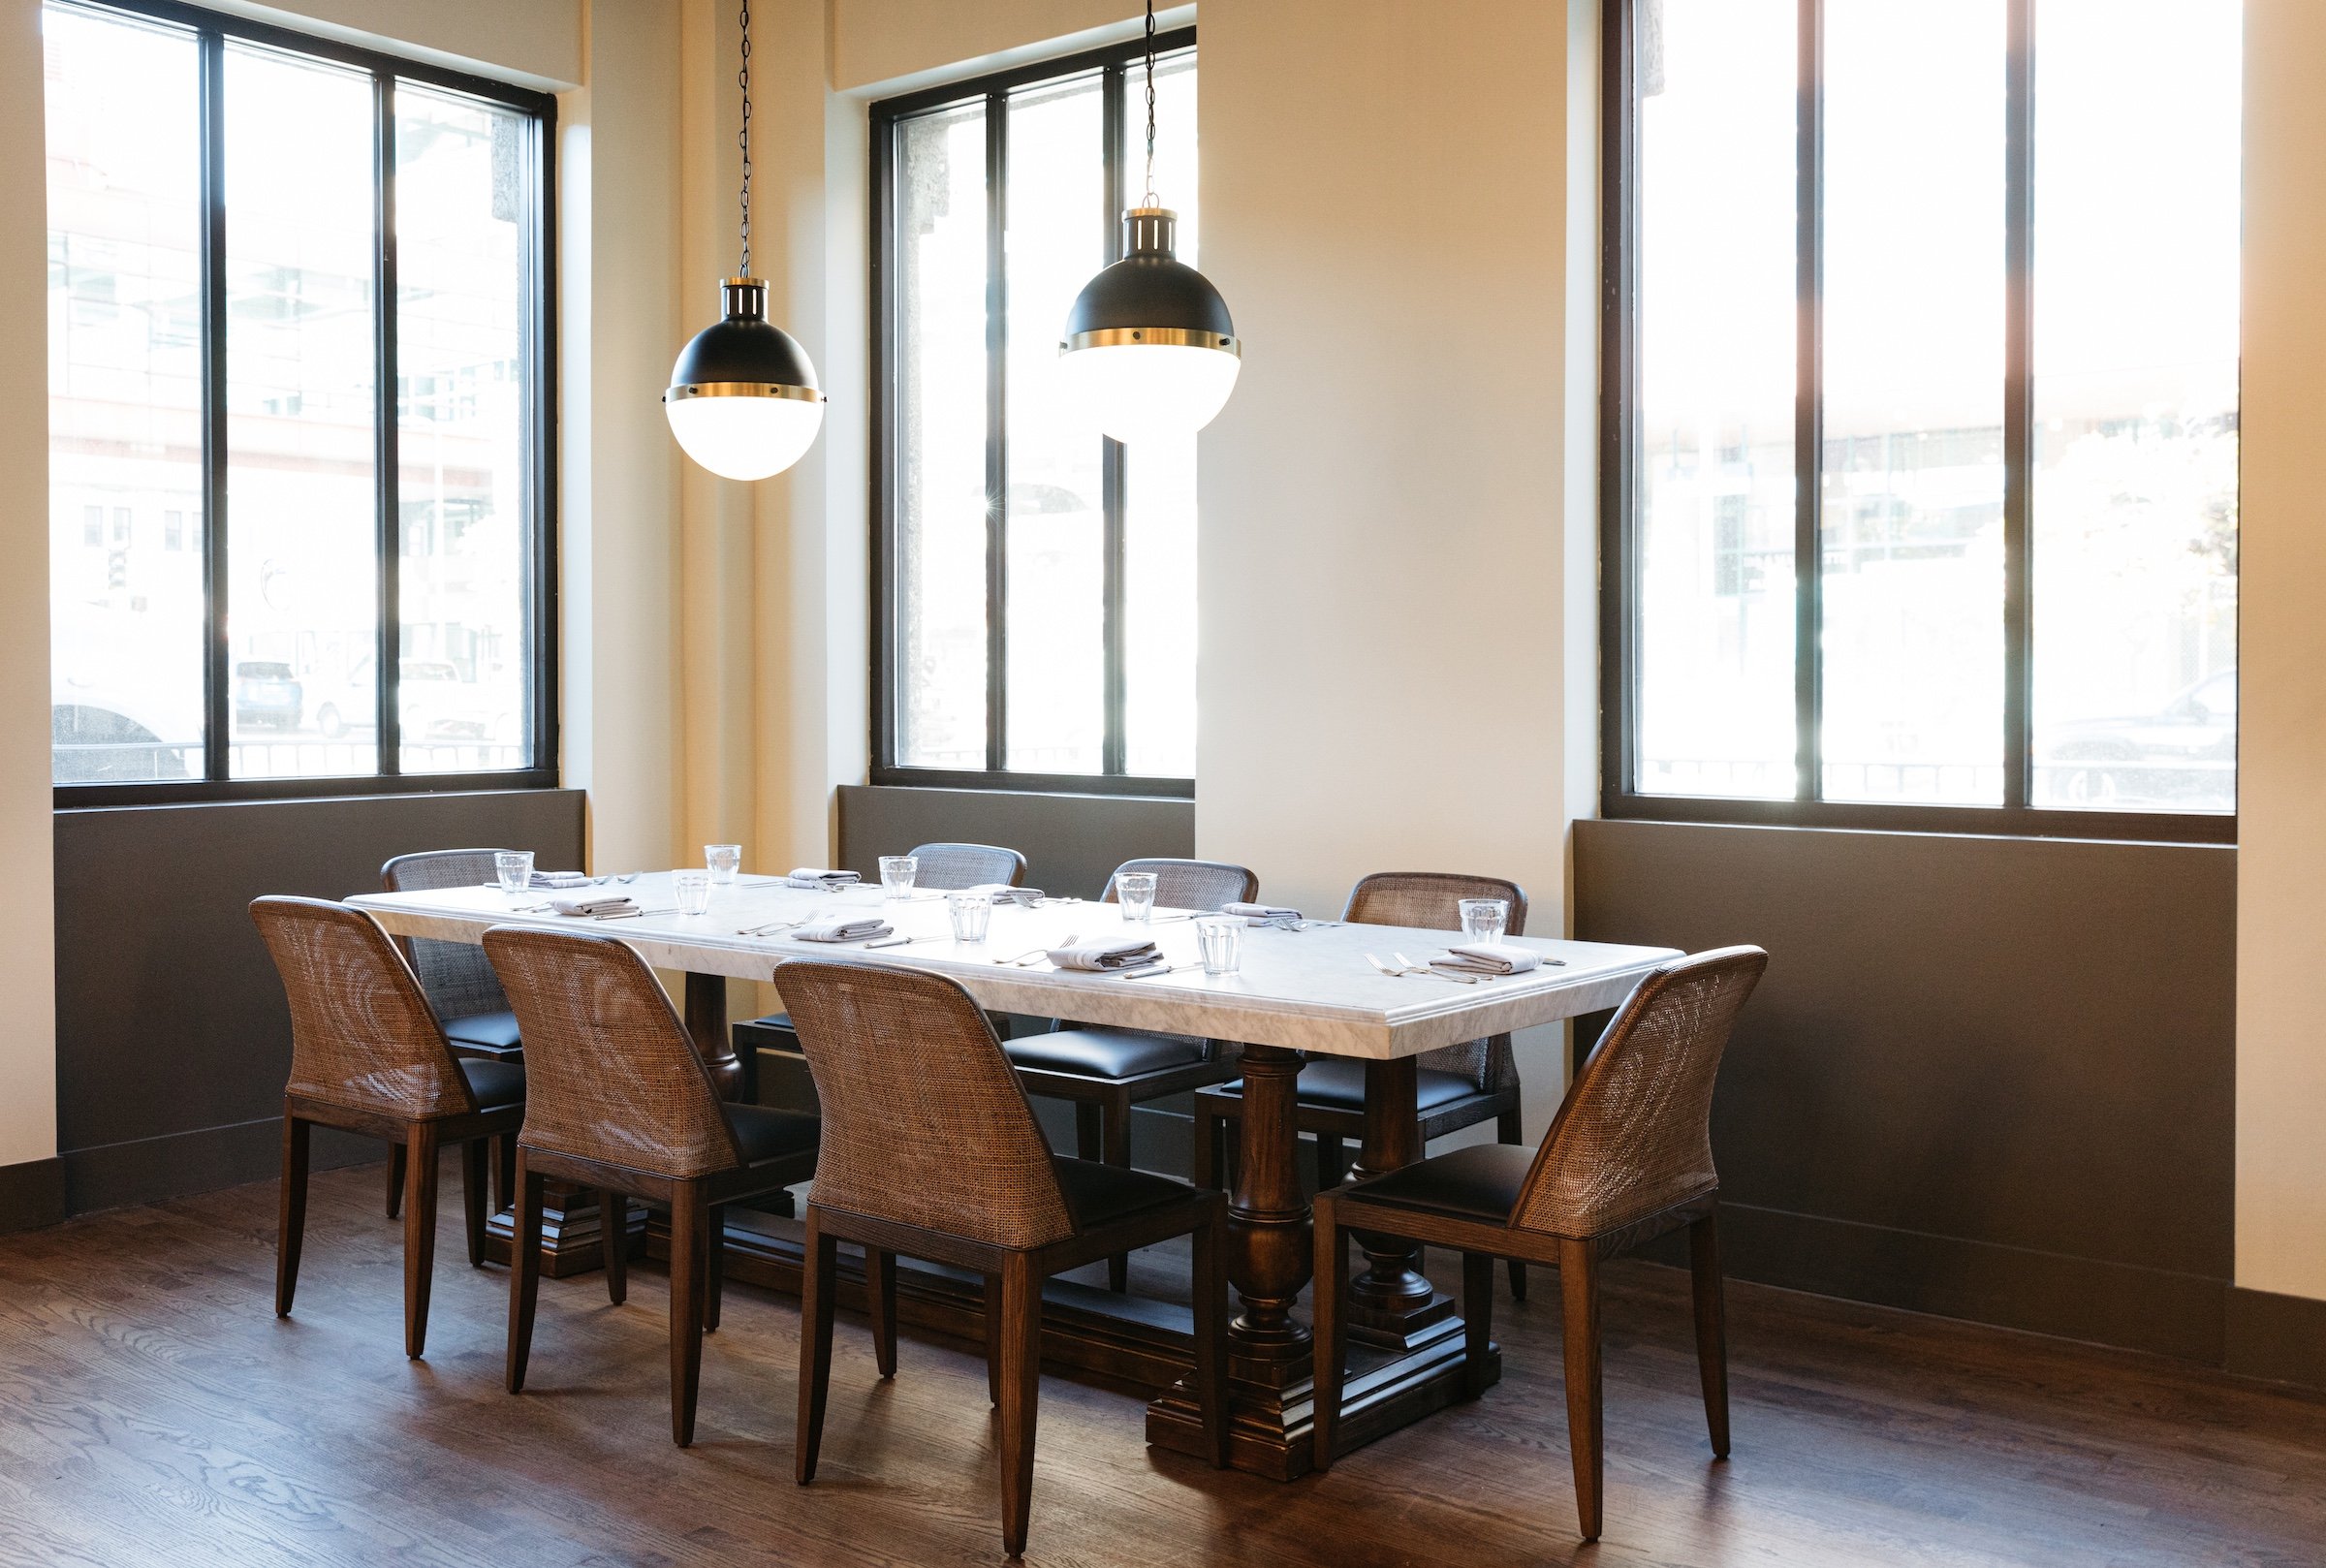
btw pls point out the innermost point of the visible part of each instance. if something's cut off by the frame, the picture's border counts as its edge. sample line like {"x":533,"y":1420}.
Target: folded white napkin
{"x":1001,"y":893}
{"x":842,"y":929}
{"x":1114,"y":953}
{"x":1488,"y":958}
{"x":807,"y":876}
{"x":562,"y":879}
{"x":1261,"y":914}
{"x":605,"y":906}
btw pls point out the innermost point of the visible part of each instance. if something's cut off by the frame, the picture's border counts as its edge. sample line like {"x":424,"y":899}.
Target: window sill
{"x":203,"y":792}
{"x":941,"y":778}
{"x":1978,"y":822}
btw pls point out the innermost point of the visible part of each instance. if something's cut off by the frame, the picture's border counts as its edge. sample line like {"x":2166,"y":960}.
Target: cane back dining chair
{"x":1628,"y":1158}
{"x":946,"y":866}
{"x":1456,"y":1086}
{"x":623,"y":1101}
{"x":369,"y":1056}
{"x":1105,"y":1072}
{"x":931,"y":1149}
{"x":461,"y":987}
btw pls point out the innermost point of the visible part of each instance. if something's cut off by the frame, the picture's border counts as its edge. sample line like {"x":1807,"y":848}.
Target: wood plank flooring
{"x":152,"y":1411}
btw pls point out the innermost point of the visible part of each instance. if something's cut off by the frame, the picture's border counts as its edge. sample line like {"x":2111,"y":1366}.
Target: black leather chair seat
{"x":1337,"y":1083}
{"x":491,"y":1031}
{"x":1096,"y":1193}
{"x":1479,"y":1182}
{"x":1103,"y":1052}
{"x":763,"y":1133}
{"x":496,"y":1085}
{"x":775,"y":1032}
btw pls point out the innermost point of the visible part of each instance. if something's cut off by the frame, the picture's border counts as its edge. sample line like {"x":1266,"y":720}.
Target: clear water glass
{"x":1137,"y":890}
{"x":971,"y":913}
{"x":724,"y":860}
{"x":515,"y":868}
{"x":1219,"y":941}
{"x":692,"y":889}
{"x":897,"y":875}
{"x":1483,"y":919}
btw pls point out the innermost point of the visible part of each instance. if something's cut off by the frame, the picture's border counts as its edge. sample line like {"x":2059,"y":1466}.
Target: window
{"x":1921,"y":415}
{"x":1037,"y":580}
{"x":252,"y":233}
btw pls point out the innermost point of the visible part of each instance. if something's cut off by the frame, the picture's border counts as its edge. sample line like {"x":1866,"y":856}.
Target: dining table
{"x":1310,"y":988}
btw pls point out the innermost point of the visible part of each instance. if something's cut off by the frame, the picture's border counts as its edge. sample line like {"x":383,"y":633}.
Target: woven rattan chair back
{"x":457,"y":976}
{"x":947,"y":866}
{"x":1192,"y":884}
{"x":362,"y":1034}
{"x":1431,"y":901}
{"x":925,"y":1123}
{"x":1634,"y":1135}
{"x":611,"y":1073}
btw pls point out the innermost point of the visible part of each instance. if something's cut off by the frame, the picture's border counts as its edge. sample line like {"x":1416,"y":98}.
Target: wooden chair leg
{"x":689,"y":1238}
{"x":475,"y":1156}
{"x":1712,"y":1336}
{"x":819,"y":1260}
{"x":291,"y":1214}
{"x":613,"y":1243}
{"x":993,"y":1339}
{"x":419,"y":1234}
{"x":1330,"y":1346}
{"x":880,"y":1296}
{"x":1021,"y":1394}
{"x":395,"y":1180}
{"x":714,"y":1267}
{"x":1211,"y":1286}
{"x":1202,"y":1148}
{"x":1579,"y":1287}
{"x":525,"y":1271}
{"x":504,"y":1172}
{"x":1086,"y":1143}
{"x":1506,"y":1131}
{"x":1477,"y":1319}
{"x":1115,"y":1113}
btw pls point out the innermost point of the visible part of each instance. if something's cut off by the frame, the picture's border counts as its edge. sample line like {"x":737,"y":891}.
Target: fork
{"x":769,"y":928}
{"x":1413,"y":968}
{"x":1031,"y":953}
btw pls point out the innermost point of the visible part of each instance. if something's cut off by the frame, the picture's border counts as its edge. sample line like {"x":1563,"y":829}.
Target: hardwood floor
{"x":153,"y":1410}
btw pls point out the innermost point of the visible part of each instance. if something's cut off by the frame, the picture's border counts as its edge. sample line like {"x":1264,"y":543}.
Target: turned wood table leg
{"x":1269,"y":1248}
{"x":1389,"y":1302}
{"x":707,"y":1023}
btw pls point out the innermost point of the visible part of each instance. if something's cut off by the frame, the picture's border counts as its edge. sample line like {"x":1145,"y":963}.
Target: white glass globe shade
{"x":1138,"y":392}
{"x":744,"y":437}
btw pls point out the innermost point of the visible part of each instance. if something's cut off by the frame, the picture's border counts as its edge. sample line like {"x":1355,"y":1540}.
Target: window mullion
{"x":386,"y":406}
{"x":1113,"y":464}
{"x":1809,"y":407}
{"x":997,"y":475}
{"x":2019,"y":431}
{"x":217,"y":672}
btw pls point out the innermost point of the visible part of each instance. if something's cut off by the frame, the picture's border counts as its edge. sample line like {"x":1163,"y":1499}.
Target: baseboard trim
{"x":179,"y":1165}
{"x":32,"y":1194}
{"x":2278,"y":1337}
{"x":2089,"y":1298}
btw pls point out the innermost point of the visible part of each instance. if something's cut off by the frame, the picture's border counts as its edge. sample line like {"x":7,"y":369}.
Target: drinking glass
{"x":1219,"y":939}
{"x":897,"y":875}
{"x":724,"y":860}
{"x":1137,"y":890}
{"x":1483,"y":919}
{"x":971,"y":912}
{"x":515,"y":868}
{"x":693,"y":890}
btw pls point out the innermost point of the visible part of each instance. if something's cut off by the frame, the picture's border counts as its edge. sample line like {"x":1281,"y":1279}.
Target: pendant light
{"x":1149,"y":346}
{"x":743,"y":399}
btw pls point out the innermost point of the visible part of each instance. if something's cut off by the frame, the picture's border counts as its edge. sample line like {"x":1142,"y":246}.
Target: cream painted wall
{"x":28,"y":959}
{"x":535,"y":43}
{"x":1394,"y":583}
{"x":2282,"y":669}
{"x":884,"y":46}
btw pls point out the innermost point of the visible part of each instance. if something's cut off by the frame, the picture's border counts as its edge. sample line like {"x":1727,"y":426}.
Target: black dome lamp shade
{"x":743,"y":400}
{"x":1148,"y":344}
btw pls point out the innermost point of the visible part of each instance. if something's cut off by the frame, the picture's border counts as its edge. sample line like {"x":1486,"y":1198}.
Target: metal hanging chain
{"x":742,"y":137}
{"x":1150,"y":103}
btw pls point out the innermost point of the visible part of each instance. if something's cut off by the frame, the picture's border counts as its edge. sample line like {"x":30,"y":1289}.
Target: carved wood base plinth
{"x":570,"y":1239}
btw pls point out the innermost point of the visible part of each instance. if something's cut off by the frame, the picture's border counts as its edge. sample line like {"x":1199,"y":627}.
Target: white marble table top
{"x":1309,"y":989}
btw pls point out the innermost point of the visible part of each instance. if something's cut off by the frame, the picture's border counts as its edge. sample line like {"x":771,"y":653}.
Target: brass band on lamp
{"x":1168,"y":336}
{"x":744,"y":389}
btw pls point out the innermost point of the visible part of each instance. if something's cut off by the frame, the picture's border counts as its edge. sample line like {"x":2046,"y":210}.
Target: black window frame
{"x":1619,"y":457}
{"x":212,"y":31}
{"x":1112,"y":64}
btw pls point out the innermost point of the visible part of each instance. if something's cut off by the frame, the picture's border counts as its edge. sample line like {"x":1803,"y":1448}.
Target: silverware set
{"x":1406,"y":966}
{"x":1032,"y":954}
